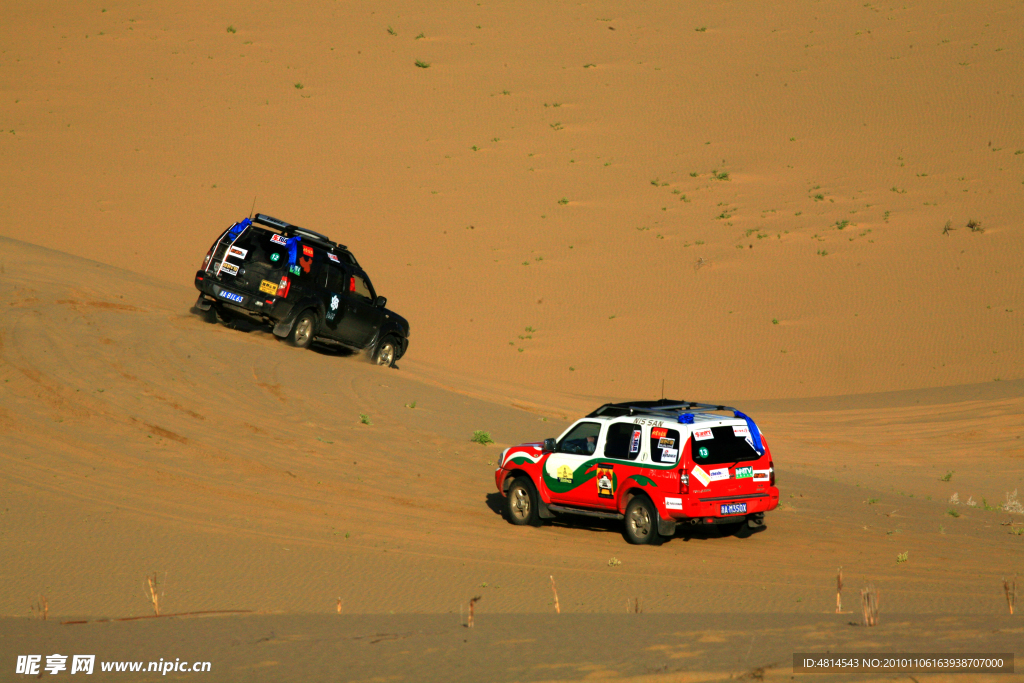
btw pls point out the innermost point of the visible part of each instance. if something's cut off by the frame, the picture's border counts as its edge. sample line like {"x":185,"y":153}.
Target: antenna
{"x":663,"y":388}
{"x":253,"y":206}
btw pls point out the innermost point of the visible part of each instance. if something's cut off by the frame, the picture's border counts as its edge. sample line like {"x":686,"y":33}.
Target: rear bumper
{"x":684,"y":508}
{"x":258,"y":305}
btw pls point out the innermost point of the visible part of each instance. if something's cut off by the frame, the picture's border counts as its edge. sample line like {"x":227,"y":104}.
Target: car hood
{"x":397,"y":320}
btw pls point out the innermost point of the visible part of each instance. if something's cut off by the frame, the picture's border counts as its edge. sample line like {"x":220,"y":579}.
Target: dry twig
{"x":471,"y":604}
{"x":1010,"y":589}
{"x":41,"y":607}
{"x":558,"y":610}
{"x":839,"y":591}
{"x":154,"y":594}
{"x":869,"y":600}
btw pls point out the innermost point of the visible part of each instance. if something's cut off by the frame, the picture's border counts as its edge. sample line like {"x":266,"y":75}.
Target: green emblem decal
{"x":702,"y":452}
{"x":642,"y":480}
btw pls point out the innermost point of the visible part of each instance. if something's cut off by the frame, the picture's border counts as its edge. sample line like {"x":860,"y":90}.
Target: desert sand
{"x":572,"y":204}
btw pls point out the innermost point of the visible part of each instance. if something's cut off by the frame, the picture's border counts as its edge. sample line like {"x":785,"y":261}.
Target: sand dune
{"x":571,"y":204}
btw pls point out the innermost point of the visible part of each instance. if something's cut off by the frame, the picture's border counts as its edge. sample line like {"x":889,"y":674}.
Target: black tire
{"x":387,"y":351}
{"x":521,"y":503}
{"x":303,"y":330}
{"x":641,"y":521}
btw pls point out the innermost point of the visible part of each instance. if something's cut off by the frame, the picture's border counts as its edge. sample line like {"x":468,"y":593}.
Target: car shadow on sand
{"x":241,"y":323}
{"x":684,"y":532}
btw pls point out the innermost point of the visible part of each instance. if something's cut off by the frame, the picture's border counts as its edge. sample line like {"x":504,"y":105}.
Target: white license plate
{"x":734,"y":508}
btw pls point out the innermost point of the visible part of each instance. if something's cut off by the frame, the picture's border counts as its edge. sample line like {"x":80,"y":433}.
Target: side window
{"x":357,"y":286}
{"x":582,"y":440}
{"x":623,"y":441}
{"x":334,"y":278}
{"x":665,"y":445}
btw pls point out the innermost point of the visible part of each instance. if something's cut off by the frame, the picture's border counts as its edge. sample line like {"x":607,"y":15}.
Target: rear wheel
{"x":521,"y":502}
{"x":641,"y":521}
{"x":387,"y":352}
{"x":302,"y":333}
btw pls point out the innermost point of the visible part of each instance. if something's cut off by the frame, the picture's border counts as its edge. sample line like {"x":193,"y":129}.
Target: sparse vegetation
{"x":299,"y":86}
{"x":365,"y":419}
{"x":392,"y":32}
{"x":421,"y":64}
{"x":481,"y":437}
{"x":952,"y":513}
{"x":947,"y":477}
{"x":231,"y":29}
{"x":614,"y":562}
{"x":974,"y":226}
{"x":902,"y":557}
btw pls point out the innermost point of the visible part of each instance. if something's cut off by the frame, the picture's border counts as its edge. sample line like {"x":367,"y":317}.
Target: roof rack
{"x":663,"y":408}
{"x":290,"y":229}
{"x":311,"y":236}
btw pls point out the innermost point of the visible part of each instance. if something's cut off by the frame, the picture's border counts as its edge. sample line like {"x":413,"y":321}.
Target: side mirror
{"x":380,"y":301}
{"x":549,"y":445}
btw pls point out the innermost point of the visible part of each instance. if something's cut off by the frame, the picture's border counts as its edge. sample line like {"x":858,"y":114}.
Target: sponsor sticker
{"x":673,"y":503}
{"x":334,"y":302}
{"x":741,"y":430}
{"x":702,"y":452}
{"x":702,"y":434}
{"x":294,"y":270}
{"x":229,"y":268}
{"x":237,"y":253}
{"x":275,"y":257}
{"x":268,"y":287}
{"x":333,"y":257}
{"x":670,"y":455}
{"x":744,"y":472}
{"x":666,"y":443}
{"x":761,"y":475}
{"x":565,"y":474}
{"x":700,"y":475}
{"x":307,"y":250}
{"x":719,"y":473}
{"x":605,"y":487}
{"x":658,"y":432}
{"x":277,"y":239}
{"x":634,"y":444}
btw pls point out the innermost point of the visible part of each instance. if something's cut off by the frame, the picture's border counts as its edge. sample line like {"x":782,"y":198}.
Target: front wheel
{"x":521,"y":503}
{"x":302,"y":334}
{"x":387,"y":352}
{"x":641,"y":521}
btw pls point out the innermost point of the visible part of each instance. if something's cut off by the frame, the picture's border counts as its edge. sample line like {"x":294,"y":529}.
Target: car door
{"x":571,"y":473}
{"x":623,"y":448}
{"x":360,"y":318}
{"x":332,"y":292}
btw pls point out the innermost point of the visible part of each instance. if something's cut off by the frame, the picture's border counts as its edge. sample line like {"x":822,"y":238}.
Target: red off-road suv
{"x":653,"y":464}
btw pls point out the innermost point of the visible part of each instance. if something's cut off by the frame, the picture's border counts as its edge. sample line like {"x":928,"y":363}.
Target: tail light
{"x":684,"y":481}
{"x":771,"y":474}
{"x":283,"y":287}
{"x":206,"y":261}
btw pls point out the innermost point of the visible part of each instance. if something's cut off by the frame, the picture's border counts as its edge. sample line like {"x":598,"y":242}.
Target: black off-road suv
{"x":308,"y":287}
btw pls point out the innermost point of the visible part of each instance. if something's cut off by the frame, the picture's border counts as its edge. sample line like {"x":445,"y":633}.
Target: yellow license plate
{"x":268,"y":287}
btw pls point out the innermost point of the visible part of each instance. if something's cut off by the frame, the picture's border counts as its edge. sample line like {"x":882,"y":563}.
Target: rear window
{"x":721,"y":445}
